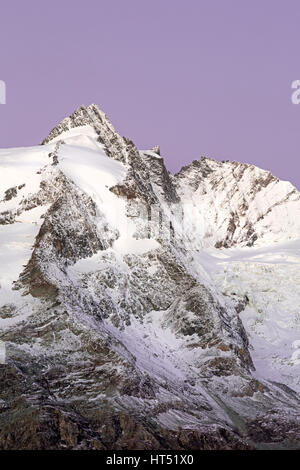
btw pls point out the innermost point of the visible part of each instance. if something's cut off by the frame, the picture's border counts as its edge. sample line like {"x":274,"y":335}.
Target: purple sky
{"x":197,"y":77}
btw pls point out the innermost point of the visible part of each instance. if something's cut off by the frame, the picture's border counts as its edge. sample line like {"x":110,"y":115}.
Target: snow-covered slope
{"x":127,"y":323}
{"x":265,"y":283}
{"x":231,"y":203}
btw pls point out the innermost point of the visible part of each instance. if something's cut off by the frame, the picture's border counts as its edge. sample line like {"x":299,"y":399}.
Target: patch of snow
{"x":16,"y":244}
{"x":80,"y":135}
{"x":129,"y":245}
{"x":151,"y":153}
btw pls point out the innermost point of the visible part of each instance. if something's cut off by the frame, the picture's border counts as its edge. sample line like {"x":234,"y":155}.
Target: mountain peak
{"x":83,"y":116}
{"x":121,"y":305}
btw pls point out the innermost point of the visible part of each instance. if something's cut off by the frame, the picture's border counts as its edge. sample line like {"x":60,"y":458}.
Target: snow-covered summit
{"x":233,"y":204}
{"x":84,"y":116}
{"x":224,"y":203}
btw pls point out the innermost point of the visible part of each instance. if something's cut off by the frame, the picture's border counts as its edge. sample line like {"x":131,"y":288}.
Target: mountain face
{"x":142,"y":310}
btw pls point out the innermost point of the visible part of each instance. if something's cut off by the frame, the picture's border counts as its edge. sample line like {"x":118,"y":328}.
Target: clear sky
{"x":197,"y":77}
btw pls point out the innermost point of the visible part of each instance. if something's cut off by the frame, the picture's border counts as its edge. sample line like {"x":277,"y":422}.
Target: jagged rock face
{"x":237,"y":204}
{"x":161,"y":181}
{"x":117,"y":334}
{"x":92,"y":116}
